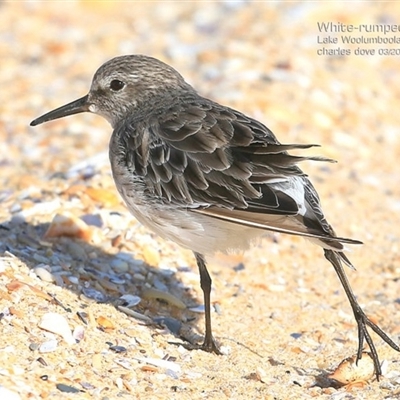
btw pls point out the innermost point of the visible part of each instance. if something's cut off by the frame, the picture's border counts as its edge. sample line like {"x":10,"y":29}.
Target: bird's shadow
{"x":26,"y":243}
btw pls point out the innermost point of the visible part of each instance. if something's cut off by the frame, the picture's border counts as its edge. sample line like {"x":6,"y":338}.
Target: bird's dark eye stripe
{"x":116,"y":85}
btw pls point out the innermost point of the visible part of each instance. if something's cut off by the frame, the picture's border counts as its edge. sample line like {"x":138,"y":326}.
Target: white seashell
{"x":67,"y":224}
{"x":161,"y":363}
{"x":349,"y":370}
{"x":56,"y":323}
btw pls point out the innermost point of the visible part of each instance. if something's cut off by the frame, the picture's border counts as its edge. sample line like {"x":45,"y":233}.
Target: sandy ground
{"x":280,"y":313}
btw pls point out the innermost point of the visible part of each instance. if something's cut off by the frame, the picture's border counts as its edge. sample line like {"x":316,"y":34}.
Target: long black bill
{"x":75,"y":107}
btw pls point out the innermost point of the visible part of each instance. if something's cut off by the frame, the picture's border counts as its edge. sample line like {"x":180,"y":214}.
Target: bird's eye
{"x":116,"y":85}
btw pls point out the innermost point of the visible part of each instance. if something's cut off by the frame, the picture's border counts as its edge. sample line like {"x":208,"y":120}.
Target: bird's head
{"x":123,"y":86}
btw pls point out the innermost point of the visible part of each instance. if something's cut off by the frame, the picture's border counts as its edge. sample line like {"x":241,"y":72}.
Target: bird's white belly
{"x":199,"y":233}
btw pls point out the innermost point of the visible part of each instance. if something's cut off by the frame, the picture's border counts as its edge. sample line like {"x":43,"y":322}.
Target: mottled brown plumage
{"x":204,"y":175}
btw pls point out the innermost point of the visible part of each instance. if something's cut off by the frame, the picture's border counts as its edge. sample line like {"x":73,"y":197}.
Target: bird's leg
{"x":205,"y":283}
{"x":361,"y":318}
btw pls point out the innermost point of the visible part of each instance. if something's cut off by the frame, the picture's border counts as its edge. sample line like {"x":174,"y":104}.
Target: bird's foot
{"x":362,"y":322}
{"x":208,"y":345}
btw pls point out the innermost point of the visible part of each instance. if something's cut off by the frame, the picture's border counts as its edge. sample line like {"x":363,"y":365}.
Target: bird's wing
{"x":217,"y":161}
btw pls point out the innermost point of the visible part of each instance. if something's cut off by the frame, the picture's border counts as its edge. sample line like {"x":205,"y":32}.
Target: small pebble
{"x":49,"y":346}
{"x":117,"y":280}
{"x":118,"y":349}
{"x":18,"y":219}
{"x":87,"y":385}
{"x":43,"y":274}
{"x":93,"y":219}
{"x":54,"y":268}
{"x":130,"y":300}
{"x":295,"y":335}
{"x":16,"y":207}
{"x":119,"y":265}
{"x":76,"y":251}
{"x":33,"y":346}
{"x":39,"y":258}
{"x":94,"y":294}
{"x":166,"y":269}
{"x":172,"y":324}
{"x":58,"y":280}
{"x":66,"y":388}
{"x":159,"y":285}
{"x":92,"y":255}
{"x":73,"y":279}
{"x":138,"y":277}
{"x":184,"y":268}
{"x":239,"y":267}
{"x":217,"y":308}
